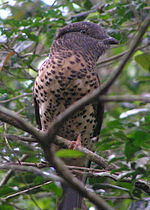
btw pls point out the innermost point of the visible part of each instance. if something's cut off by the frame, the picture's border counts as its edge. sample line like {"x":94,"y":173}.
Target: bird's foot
{"x":75,"y":144}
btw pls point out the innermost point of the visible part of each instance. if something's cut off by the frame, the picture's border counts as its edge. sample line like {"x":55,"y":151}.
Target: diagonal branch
{"x":10,"y":172}
{"x":14,"y":119}
{"x":91,"y":155}
{"x":16,"y":97}
{"x":62,"y":142}
{"x":115,"y":57}
{"x":125,"y":59}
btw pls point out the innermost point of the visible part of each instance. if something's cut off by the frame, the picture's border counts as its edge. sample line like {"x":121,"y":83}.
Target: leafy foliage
{"x":26,"y":34}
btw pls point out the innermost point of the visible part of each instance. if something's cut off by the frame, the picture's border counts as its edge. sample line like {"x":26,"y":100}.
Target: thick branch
{"x":91,"y":155}
{"x":14,"y":119}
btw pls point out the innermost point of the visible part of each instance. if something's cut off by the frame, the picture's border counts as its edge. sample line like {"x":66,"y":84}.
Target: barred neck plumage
{"x":86,"y":45}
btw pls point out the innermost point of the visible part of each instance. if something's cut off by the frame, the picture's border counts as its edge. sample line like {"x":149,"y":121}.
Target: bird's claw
{"x":76,"y":144}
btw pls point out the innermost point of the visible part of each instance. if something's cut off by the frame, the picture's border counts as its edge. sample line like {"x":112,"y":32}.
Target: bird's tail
{"x":71,"y":200}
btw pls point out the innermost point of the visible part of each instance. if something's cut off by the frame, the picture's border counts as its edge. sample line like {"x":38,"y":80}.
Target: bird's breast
{"x":63,"y":80}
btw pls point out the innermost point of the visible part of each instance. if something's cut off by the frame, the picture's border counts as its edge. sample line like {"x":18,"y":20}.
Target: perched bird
{"x":65,"y":77}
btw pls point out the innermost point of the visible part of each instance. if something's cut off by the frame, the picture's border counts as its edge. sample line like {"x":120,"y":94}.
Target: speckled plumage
{"x":68,"y":75}
{"x":60,"y":83}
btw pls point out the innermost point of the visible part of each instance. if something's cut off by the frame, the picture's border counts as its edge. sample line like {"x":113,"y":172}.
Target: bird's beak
{"x":110,"y":41}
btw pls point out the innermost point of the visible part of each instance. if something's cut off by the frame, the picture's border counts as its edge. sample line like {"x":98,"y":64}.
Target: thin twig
{"x":118,"y":197}
{"x":120,"y":55}
{"x":20,"y":138}
{"x":32,"y":170}
{"x":125,"y":98}
{"x":14,"y":98}
{"x":25,"y":191}
{"x":109,"y":186}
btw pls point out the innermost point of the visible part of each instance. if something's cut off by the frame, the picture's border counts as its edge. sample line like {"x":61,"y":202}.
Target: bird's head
{"x":88,"y":29}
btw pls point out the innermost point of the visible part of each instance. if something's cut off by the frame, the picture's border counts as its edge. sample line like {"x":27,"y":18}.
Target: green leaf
{"x":68,"y":153}
{"x":114,"y":124}
{"x":52,"y":187}
{"x":6,"y":207}
{"x":147,"y":119}
{"x":5,"y":190}
{"x":93,"y":16}
{"x":130,"y":149}
{"x":120,"y":134}
{"x":143,"y":60}
{"x":139,"y":137}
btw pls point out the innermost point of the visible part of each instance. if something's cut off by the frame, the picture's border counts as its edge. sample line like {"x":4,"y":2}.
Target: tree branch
{"x":125,"y":59}
{"x":9,"y":173}
{"x":90,"y":172}
{"x":62,"y":142}
{"x":19,"y":138}
{"x":125,"y":98}
{"x":120,"y":55}
{"x":31,"y":169}
{"x":14,"y":98}
{"x":14,"y":119}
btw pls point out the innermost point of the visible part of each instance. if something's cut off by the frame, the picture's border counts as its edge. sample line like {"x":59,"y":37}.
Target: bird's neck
{"x":88,"y":47}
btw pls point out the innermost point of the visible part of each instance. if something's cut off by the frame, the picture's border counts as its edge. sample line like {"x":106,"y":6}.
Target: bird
{"x":64,"y":78}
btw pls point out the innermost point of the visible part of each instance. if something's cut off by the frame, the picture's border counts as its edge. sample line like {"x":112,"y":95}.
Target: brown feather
{"x":64,"y":78}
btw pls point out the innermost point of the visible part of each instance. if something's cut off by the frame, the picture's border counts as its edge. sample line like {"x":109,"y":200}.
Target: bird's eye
{"x":83,"y":31}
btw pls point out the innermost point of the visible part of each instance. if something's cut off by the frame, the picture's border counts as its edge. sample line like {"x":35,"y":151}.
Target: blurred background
{"x":27,"y":30}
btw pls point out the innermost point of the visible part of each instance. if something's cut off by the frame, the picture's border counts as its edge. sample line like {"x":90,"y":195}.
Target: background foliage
{"x":27,"y":29}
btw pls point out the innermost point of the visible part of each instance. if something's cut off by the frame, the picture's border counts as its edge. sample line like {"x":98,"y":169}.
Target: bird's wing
{"x":99,"y":112}
{"x":37,"y":114}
